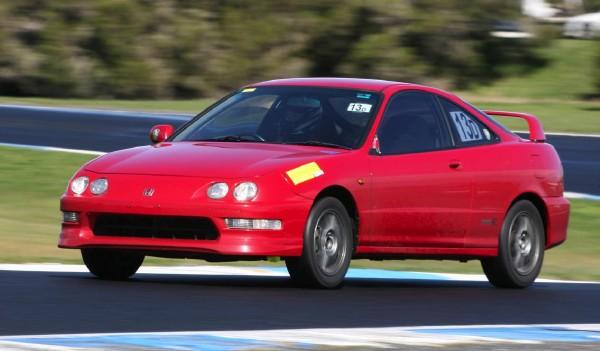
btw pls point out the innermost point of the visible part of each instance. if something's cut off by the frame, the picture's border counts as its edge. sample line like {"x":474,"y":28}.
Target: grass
{"x":581,"y":117}
{"x":32,"y":181}
{"x":567,"y":75}
{"x":555,"y":92}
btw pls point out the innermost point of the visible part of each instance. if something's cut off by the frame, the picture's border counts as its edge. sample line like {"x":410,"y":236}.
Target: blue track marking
{"x":528,"y":333}
{"x":369,"y":273}
{"x":315,"y":338}
{"x":183,"y":341}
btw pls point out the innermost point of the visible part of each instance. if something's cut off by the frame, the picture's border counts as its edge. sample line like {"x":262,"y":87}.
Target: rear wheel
{"x":520,"y":250}
{"x":112,"y":264}
{"x":327,"y":247}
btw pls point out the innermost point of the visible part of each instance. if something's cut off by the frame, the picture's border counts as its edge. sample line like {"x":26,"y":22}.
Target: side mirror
{"x":375,"y":148}
{"x":160,"y":133}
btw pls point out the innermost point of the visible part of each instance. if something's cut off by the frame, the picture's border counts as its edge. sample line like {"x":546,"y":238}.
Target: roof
{"x":348,"y":83}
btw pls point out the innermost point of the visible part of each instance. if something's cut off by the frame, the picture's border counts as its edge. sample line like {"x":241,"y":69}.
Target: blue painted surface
{"x":530,"y":333}
{"x":203,"y":342}
{"x":188,"y":342}
{"x":368,"y":273}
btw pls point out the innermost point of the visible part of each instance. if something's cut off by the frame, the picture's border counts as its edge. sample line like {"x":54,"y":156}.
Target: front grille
{"x":164,"y":227}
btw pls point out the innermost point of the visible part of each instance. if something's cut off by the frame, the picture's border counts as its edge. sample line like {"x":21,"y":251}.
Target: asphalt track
{"x":53,"y":302}
{"x":61,"y":302}
{"x":109,"y":130}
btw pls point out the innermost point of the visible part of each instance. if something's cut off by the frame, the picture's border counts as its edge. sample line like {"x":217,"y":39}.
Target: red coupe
{"x":318,"y":171}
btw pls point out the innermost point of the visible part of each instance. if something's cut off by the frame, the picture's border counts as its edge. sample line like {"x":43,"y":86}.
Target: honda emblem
{"x":148,"y":192}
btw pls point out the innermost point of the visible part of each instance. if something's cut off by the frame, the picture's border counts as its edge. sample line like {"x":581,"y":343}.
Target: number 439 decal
{"x":467,"y":129}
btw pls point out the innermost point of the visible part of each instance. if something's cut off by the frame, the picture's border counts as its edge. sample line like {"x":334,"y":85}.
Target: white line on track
{"x":386,"y":337}
{"x":182,"y":270}
{"x":51,"y":148}
{"x":265,"y":271}
{"x":122,"y":113}
{"x":582,"y":135}
{"x":573,"y":195}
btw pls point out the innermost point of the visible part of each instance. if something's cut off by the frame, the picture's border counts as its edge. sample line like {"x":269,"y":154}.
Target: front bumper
{"x":291,"y":210}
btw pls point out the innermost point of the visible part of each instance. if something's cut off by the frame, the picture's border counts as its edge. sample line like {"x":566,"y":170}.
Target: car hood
{"x":209,"y":159}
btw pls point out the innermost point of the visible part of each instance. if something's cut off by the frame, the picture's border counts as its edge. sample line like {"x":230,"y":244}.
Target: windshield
{"x":287,"y":115}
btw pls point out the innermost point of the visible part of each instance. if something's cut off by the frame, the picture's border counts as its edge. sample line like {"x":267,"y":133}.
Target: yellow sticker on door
{"x":305,"y":172}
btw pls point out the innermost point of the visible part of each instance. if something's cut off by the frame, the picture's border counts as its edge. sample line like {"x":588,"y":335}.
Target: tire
{"x":327,"y":249}
{"x":112,"y":264}
{"x":520,"y":248}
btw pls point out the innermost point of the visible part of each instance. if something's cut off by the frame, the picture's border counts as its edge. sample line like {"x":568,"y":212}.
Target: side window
{"x":412,"y":123}
{"x":466,"y":128}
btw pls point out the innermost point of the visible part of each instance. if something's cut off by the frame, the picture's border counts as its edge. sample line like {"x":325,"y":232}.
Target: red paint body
{"x":448,"y":203}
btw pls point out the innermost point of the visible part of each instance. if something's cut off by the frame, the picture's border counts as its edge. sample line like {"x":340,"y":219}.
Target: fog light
{"x":71,"y":217}
{"x":246,"y":223}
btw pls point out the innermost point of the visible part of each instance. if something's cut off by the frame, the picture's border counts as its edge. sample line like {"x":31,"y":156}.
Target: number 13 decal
{"x":467,"y":129}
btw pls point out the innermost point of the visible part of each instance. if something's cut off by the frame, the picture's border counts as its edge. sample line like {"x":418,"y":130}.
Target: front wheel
{"x":327,"y":247}
{"x":521,"y":248}
{"x":112,"y":264}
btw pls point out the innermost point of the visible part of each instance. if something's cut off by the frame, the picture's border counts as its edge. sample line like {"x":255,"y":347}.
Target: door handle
{"x":455,"y":164}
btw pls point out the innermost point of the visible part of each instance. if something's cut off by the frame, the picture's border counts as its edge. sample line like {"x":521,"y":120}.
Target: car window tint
{"x":341,"y":107}
{"x":244,"y":116}
{"x":288,"y":115}
{"x":411,"y":123}
{"x":466,"y":128}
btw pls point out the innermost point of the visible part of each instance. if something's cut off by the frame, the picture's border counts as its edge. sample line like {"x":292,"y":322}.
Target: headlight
{"x":99,"y":186}
{"x":217,"y":191}
{"x":79,"y":184}
{"x":245,"y":191}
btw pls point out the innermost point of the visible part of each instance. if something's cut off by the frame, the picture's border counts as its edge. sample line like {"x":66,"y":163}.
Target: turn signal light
{"x":250,"y":224}
{"x":71,"y":217}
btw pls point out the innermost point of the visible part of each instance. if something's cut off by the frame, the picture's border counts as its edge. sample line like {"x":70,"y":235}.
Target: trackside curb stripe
{"x":583,"y":196}
{"x":387,"y":337}
{"x":51,"y":148}
{"x":268,"y":271}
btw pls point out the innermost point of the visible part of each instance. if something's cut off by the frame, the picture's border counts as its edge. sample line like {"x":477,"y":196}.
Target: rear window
{"x":466,"y":128}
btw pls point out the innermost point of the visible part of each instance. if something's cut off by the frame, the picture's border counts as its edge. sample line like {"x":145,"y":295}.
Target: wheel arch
{"x":539,"y":203}
{"x":347,"y":199}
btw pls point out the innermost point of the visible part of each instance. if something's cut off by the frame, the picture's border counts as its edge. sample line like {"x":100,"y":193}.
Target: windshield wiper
{"x":320,"y":143}
{"x":235,"y":138}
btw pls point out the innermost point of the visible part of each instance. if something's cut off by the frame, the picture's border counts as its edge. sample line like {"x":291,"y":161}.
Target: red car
{"x":319,"y":171}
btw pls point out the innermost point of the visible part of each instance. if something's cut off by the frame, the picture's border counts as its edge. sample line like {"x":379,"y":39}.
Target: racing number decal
{"x":467,"y":129}
{"x":359,"y":107}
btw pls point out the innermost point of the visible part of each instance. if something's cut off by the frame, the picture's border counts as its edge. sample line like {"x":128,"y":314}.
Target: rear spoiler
{"x":536,"y":132}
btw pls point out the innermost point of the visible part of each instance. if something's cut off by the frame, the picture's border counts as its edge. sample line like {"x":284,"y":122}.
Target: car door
{"x":480,"y":152}
{"x":420,"y":193}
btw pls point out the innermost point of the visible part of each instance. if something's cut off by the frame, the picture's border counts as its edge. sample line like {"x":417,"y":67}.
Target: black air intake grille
{"x":164,"y":227}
